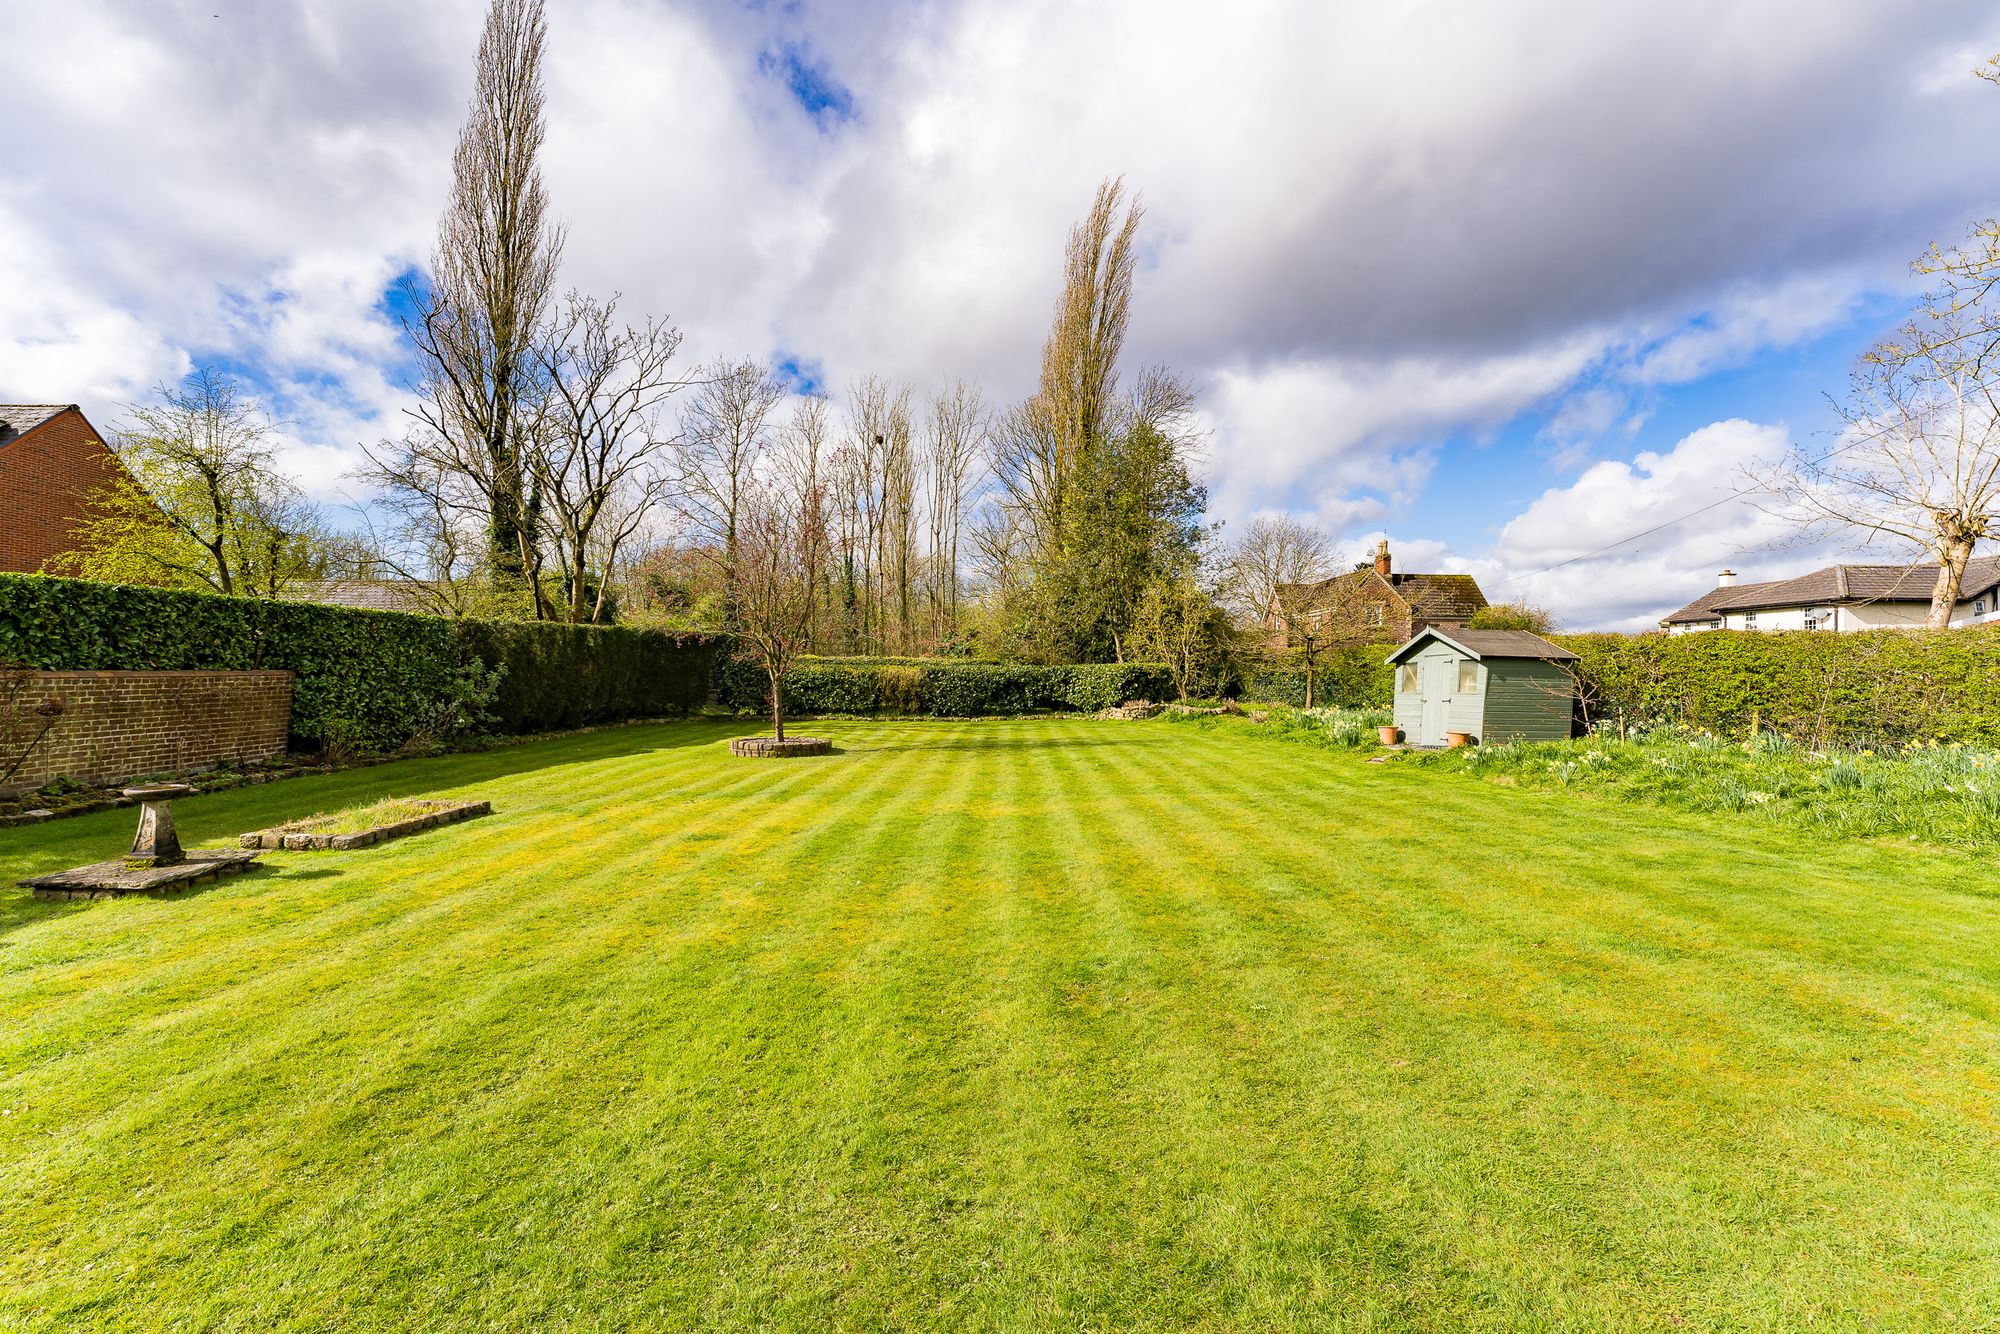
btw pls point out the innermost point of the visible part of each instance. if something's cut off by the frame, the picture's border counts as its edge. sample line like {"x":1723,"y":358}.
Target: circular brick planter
{"x":770,"y":748}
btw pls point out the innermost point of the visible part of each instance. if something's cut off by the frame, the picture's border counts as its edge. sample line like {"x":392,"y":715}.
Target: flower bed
{"x":1947,"y":794}
{"x":366,"y":826}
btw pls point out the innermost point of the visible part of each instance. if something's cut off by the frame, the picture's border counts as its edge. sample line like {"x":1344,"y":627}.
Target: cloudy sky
{"x":1507,"y":282}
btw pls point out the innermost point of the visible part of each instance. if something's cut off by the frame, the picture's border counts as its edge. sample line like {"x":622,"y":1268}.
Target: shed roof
{"x":1485,"y":644}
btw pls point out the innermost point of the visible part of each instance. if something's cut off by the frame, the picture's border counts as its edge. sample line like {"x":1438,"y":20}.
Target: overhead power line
{"x":1662,"y":527}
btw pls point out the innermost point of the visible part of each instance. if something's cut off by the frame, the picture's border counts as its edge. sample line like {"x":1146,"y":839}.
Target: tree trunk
{"x":777,"y":706}
{"x":1953,"y":552}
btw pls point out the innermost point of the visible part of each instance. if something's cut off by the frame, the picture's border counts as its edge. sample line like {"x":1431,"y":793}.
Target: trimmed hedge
{"x":367,"y":673}
{"x":1350,"y":678}
{"x":1874,"y":686}
{"x":560,"y":676}
{"x":944,"y":687}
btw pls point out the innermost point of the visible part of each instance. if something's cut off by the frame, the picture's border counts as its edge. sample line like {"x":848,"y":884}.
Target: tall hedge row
{"x":1885,"y":686}
{"x":369,"y":674}
{"x":944,"y":688}
{"x":573,"y":675}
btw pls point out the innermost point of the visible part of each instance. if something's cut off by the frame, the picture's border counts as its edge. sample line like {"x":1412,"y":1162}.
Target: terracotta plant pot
{"x":1388,"y":735}
{"x":1454,"y":740}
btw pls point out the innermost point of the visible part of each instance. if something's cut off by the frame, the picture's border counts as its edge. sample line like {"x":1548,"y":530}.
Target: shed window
{"x":1406,"y":680}
{"x":1468,"y":677}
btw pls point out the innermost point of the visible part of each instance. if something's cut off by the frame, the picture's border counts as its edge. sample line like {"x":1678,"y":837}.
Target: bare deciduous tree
{"x":725,"y":436}
{"x":781,"y":557}
{"x":427,"y":526}
{"x":955,"y":442}
{"x":1919,"y":461}
{"x":876,"y":496}
{"x":1274,"y":550}
{"x":597,"y":464}
{"x":492,"y":274}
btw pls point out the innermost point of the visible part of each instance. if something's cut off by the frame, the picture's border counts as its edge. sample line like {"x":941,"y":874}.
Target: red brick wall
{"x":45,"y":477}
{"x":118,"y":725}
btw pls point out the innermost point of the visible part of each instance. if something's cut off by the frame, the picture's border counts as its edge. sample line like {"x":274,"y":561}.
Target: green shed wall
{"x":1526,"y":700}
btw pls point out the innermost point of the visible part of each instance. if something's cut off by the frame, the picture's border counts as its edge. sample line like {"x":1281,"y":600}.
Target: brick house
{"x":1373,"y":604}
{"x":51,"y":459}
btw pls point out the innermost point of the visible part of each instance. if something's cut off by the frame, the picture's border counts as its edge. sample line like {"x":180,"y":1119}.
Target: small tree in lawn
{"x":780,"y":560}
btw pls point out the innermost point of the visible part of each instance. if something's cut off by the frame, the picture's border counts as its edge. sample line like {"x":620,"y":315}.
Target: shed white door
{"x":1440,"y":677}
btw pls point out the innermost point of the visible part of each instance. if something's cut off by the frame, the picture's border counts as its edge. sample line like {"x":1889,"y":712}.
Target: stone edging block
{"x":299,"y":837}
{"x":770,"y":748}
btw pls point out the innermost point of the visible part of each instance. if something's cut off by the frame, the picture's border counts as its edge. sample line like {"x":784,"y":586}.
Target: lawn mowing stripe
{"x":1228,"y":1083}
{"x":515,"y":1113}
{"x":336,"y":934}
{"x":1395,"y":973}
{"x":339,"y":923}
{"x":1160,"y":1149}
{"x":1080,"y":939}
{"x":1268,"y":1020}
{"x":353,"y":993}
{"x":1776,"y":1018}
{"x":414,"y":911}
{"x":890,"y":1012}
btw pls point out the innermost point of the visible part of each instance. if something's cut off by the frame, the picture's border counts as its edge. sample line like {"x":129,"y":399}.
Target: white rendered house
{"x":1840,"y":597}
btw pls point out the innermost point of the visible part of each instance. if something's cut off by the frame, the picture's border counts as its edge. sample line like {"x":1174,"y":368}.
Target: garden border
{"x":298,"y":836}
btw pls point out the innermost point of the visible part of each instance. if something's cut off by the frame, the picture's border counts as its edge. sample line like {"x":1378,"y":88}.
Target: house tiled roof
{"x":1838,"y":584}
{"x":21,"y":418}
{"x":365,"y":594}
{"x":1492,"y":644}
{"x":1440,"y":597}
{"x":1437,"y":597}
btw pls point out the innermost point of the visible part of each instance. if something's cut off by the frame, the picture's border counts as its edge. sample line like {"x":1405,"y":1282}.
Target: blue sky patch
{"x":812,"y":86}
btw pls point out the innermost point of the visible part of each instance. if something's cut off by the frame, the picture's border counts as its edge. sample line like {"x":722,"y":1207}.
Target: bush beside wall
{"x":367,"y":674}
{"x":944,"y":687}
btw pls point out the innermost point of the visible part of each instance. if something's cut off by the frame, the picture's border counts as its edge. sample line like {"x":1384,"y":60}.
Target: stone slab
{"x":108,"y":880}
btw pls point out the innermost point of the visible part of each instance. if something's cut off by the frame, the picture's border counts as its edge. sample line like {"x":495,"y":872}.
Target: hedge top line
{"x":194,"y":597}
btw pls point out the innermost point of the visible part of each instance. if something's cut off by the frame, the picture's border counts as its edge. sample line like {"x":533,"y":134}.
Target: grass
{"x":1947,"y":795}
{"x":1001,"y":1025}
{"x":372,"y":815}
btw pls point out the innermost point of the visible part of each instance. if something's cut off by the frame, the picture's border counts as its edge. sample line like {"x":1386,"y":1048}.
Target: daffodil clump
{"x":1930,"y":792}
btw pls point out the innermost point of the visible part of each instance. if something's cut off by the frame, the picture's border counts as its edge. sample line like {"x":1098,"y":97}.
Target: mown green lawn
{"x":1001,"y":1025}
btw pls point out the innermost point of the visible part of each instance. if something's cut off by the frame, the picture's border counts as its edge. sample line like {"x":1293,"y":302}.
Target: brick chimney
{"x":1382,"y":558}
{"x":1727,"y":579}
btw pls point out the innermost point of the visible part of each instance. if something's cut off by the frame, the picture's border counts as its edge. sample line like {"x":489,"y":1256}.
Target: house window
{"x":1749,"y":620}
{"x":1406,"y":680}
{"x":1979,"y":606}
{"x":1812,"y":621}
{"x":1374,"y":615}
{"x":1468,"y":677}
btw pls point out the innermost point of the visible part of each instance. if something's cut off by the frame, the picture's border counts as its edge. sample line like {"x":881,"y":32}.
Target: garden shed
{"x":1493,"y":685}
